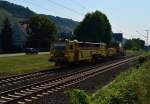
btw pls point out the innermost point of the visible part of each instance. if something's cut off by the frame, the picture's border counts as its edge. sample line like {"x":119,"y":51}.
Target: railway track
{"x":12,"y":82}
{"x":9,"y":82}
{"x":23,"y":76}
{"x":26,"y":94}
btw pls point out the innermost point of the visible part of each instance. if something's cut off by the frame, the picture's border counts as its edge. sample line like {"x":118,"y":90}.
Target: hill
{"x":16,"y":10}
{"x":18,"y":13}
{"x":63,"y":24}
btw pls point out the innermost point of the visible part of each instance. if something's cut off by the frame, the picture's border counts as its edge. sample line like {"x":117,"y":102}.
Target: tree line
{"x":6,"y":36}
{"x":135,"y":44}
{"x":95,"y":27}
{"x":41,"y":32}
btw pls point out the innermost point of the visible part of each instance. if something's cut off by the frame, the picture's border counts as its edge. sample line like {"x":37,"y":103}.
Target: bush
{"x":130,"y":87}
{"x":79,"y":97}
{"x":144,"y":58}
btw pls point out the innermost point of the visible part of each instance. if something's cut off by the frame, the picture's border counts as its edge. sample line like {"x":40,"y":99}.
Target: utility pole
{"x":147,"y":31}
{"x":146,"y":37}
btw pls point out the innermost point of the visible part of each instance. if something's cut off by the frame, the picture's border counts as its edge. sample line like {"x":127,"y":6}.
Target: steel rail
{"x":50,"y":86}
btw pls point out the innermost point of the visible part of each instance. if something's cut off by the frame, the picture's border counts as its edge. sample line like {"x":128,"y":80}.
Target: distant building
{"x":118,"y":37}
{"x":0,"y":44}
{"x":65,"y":35}
{"x":24,"y":25}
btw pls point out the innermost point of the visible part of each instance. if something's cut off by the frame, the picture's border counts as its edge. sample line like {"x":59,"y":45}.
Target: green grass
{"x":131,"y":87}
{"x":24,"y":64}
{"x":131,"y":52}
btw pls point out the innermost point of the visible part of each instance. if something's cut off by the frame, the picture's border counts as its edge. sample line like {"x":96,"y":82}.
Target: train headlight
{"x":66,"y":55}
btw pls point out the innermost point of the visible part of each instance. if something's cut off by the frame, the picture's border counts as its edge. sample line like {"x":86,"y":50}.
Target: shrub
{"x":79,"y":97}
{"x":131,"y":87}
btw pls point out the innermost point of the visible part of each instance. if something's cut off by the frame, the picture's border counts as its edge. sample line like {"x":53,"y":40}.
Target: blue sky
{"x":127,"y":16}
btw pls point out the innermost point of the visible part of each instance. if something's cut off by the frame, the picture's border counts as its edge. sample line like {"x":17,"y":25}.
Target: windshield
{"x":59,"y":47}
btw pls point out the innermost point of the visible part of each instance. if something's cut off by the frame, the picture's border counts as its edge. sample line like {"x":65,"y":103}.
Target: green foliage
{"x":64,"y":24}
{"x":42,"y":32}
{"x":16,"y":10}
{"x":6,"y":36}
{"x":3,"y":15}
{"x":94,"y":28}
{"x":135,"y":44}
{"x":123,"y":91}
{"x":144,"y":58}
{"x":131,"y":87}
{"x":79,"y":97}
{"x":18,"y":36}
{"x":24,"y":64}
{"x":17,"y":13}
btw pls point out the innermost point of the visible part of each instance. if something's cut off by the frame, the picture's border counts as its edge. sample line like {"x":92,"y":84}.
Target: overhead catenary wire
{"x":39,"y":6}
{"x":147,"y":32}
{"x":65,"y":7}
{"x":140,"y":34}
{"x":78,"y":4}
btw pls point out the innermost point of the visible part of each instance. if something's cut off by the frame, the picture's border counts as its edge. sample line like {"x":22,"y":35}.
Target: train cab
{"x":67,"y":52}
{"x":62,"y":52}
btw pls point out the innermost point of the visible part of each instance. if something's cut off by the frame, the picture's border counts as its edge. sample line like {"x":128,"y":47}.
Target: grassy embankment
{"x":131,"y":87}
{"x":23,"y":64}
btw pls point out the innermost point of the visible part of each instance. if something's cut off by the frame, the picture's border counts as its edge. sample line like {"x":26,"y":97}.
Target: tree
{"x":135,"y":44}
{"x":94,"y":28}
{"x":42,"y":32}
{"x":6,"y":36}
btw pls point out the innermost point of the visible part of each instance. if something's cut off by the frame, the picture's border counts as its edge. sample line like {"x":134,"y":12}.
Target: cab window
{"x":59,"y":47}
{"x":71,"y":47}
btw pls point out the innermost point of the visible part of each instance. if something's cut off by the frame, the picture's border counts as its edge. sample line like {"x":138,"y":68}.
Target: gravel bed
{"x":90,"y":85}
{"x":48,"y":75}
{"x":24,"y":82}
{"x":3,"y":75}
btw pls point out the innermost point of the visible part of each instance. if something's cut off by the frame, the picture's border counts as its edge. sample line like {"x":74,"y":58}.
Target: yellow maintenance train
{"x":66,"y":52}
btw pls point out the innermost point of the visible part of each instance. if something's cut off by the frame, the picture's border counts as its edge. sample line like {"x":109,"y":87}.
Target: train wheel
{"x":57,"y":64}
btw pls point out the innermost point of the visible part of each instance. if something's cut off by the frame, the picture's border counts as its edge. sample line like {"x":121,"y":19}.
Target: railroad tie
{"x":3,"y":81}
{"x":33,"y":97}
{"x":44,"y":93}
{"x":27,"y":79}
{"x":3,"y":85}
{"x":40,"y":87}
{"x":3,"y":101}
{"x":13,"y":78}
{"x":17,"y":93}
{"x":43,"y":85}
{"x":30,"y":90}
{"x":14,"y":96}
{"x":55,"y":90}
{"x":28,"y":100}
{"x":50,"y":85}
{"x":35,"y":88}
{"x":18,"y":81}
{"x":50,"y":91}
{"x":19,"y":102}
{"x":58,"y":88}
{"x":6,"y":98}
{"x":8,"y":79}
{"x":27,"y":92}
{"x":39,"y":95}
{"x":16,"y":78}
{"x":9,"y":84}
{"x":14,"y":82}
{"x":61,"y":87}
{"x":66,"y":85}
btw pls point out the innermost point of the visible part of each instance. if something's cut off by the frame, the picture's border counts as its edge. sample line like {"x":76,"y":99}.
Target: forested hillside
{"x":16,"y":10}
{"x":16,"y":13}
